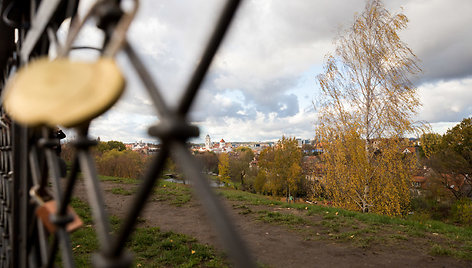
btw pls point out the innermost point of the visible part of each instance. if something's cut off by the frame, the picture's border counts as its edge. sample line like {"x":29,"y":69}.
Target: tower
{"x":208,"y":142}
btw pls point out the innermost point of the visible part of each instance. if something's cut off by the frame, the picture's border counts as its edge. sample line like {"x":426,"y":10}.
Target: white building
{"x":208,"y":142}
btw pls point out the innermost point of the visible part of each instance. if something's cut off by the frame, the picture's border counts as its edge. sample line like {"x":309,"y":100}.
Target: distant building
{"x":208,"y":142}
{"x":217,"y":147}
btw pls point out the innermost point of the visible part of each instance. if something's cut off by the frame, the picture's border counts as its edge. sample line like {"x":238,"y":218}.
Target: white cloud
{"x":262,"y":127}
{"x":263,"y":77}
{"x":446,"y":101}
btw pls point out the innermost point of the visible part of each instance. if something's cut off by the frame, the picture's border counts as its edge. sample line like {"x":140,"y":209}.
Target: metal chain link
{"x":28,"y":161}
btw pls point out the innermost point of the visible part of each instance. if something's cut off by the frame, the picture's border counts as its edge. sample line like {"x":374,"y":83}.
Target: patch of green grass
{"x":166,"y":249}
{"x":121,"y":191}
{"x":249,"y":198}
{"x":459,"y":251}
{"x":151,"y":247}
{"x":349,"y":235}
{"x":244,"y":209}
{"x":118,"y":179}
{"x":281,"y":218}
{"x":399,"y":237}
{"x":177,"y":194}
{"x":407,"y":224}
{"x":364,"y":242}
{"x":332,"y":226}
{"x":415,"y":233}
{"x":438,"y":250}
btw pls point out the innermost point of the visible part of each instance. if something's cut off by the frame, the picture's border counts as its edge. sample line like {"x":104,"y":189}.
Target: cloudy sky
{"x":263,"y":81}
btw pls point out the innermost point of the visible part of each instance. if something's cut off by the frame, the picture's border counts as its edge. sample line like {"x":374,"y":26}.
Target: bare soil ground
{"x":277,"y":245}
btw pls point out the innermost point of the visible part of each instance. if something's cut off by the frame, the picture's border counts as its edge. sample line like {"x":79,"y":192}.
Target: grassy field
{"x":151,"y":247}
{"x":364,"y":230}
{"x":177,"y":194}
{"x":361,"y":229}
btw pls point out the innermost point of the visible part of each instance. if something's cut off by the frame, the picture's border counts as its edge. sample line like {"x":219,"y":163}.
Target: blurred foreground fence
{"x":30,"y":168}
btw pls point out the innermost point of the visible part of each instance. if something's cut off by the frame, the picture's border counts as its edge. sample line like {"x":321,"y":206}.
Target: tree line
{"x":277,"y":170}
{"x":112,"y":159}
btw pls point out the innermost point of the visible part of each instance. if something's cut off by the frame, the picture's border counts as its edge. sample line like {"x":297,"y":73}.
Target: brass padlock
{"x":46,"y":212}
{"x":62,"y":92}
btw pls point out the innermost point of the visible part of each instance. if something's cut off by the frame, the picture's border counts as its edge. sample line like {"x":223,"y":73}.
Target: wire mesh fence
{"x":30,"y":166}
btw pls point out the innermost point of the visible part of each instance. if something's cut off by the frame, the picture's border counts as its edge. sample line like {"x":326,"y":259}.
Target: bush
{"x":126,"y":164}
{"x":429,"y":207}
{"x":462,"y":211}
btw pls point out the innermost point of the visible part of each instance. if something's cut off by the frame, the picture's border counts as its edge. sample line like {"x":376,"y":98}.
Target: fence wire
{"x":30,"y":168}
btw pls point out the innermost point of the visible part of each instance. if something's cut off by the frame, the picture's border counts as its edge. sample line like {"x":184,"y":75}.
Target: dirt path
{"x":272,"y":245}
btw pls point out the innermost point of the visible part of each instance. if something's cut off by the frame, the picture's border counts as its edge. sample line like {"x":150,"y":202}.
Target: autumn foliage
{"x":280,"y":171}
{"x":112,"y":159}
{"x":223,"y":168}
{"x":126,"y":164}
{"x":365,"y":111}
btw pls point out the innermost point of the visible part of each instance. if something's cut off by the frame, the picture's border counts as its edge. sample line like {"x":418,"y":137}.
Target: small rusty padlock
{"x":46,"y":212}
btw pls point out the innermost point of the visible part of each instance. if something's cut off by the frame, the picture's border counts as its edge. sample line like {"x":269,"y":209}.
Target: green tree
{"x":240,"y":168}
{"x":366,"y":108}
{"x":110,"y":145}
{"x":452,"y":160}
{"x":459,"y":139}
{"x":118,"y":145}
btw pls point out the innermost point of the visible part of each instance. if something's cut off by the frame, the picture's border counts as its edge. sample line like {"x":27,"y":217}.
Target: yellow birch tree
{"x":365,"y":110}
{"x":223,"y":168}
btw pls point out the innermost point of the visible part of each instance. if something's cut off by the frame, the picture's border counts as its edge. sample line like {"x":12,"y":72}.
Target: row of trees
{"x":112,"y":159}
{"x":277,"y":170}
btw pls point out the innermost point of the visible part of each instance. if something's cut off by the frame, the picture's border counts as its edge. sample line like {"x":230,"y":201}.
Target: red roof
{"x":410,"y":149}
{"x":419,"y":179}
{"x":222,"y":140}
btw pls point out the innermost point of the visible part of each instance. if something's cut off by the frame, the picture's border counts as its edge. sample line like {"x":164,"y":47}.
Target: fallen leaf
{"x":193,"y":251}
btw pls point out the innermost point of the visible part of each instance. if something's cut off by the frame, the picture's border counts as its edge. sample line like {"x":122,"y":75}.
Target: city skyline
{"x":262,"y":84}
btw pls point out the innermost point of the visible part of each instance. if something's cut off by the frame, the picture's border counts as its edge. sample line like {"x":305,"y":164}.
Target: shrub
{"x":430,"y":208}
{"x":126,"y":164}
{"x":462,"y":211}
